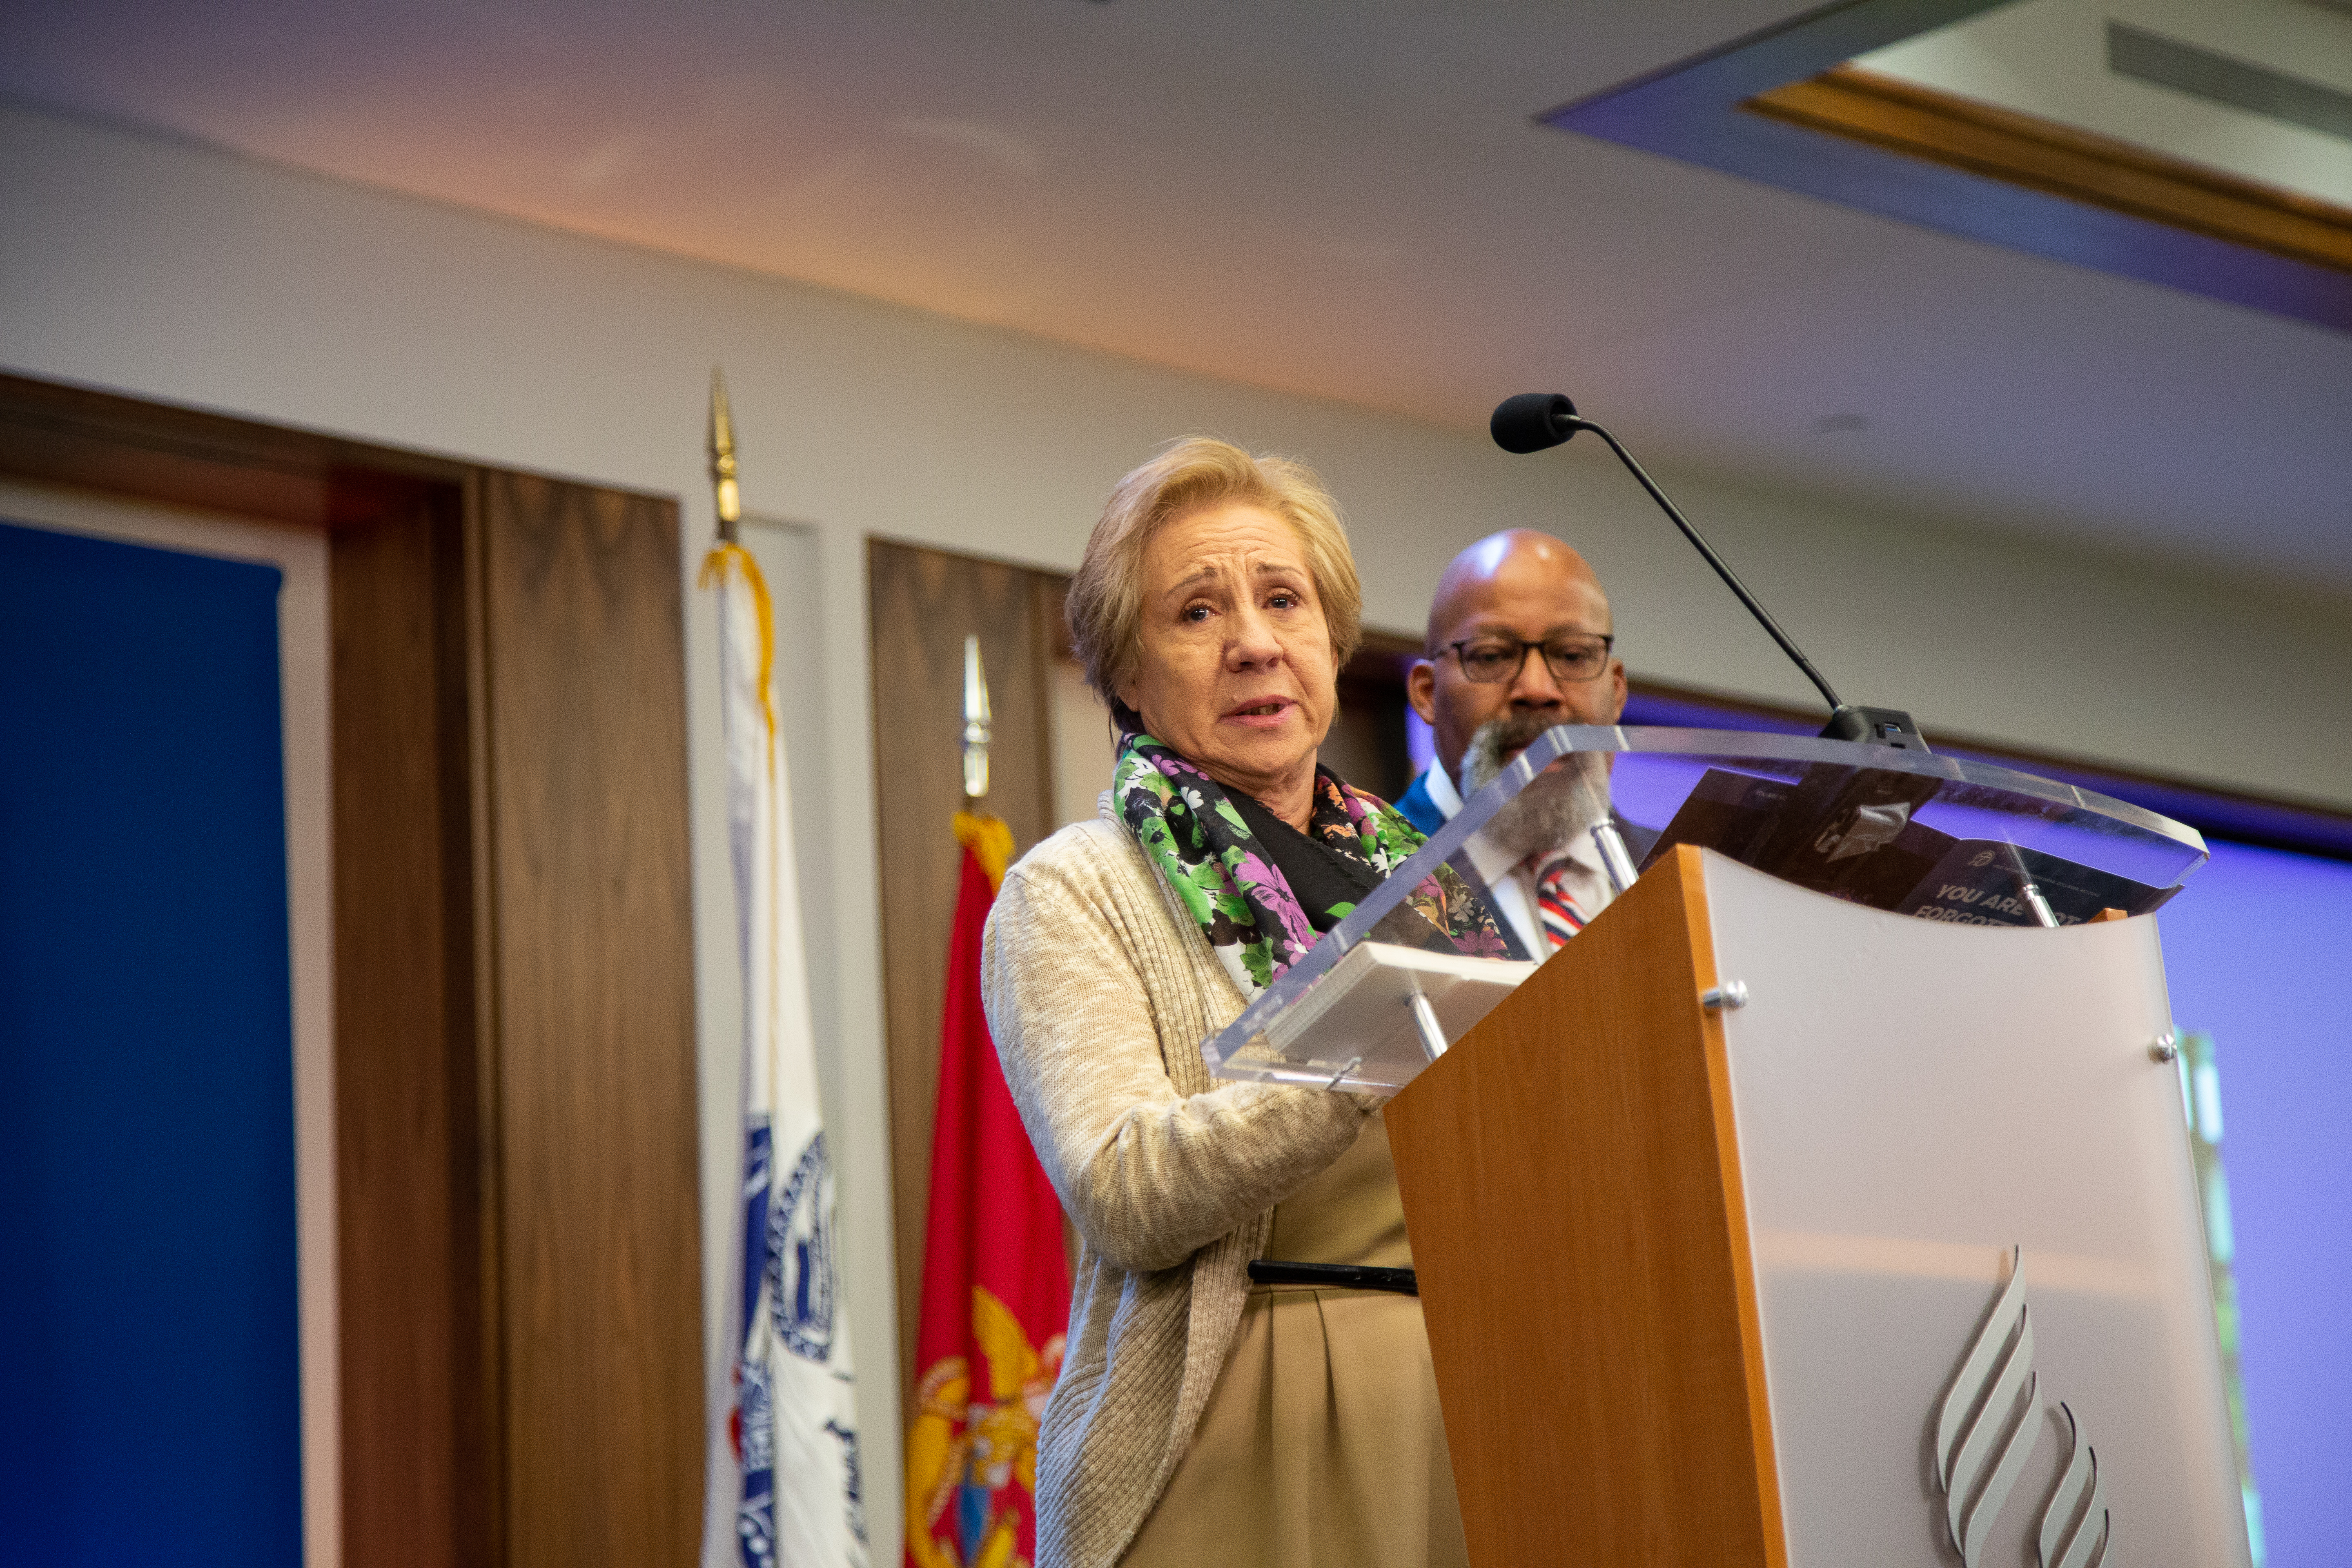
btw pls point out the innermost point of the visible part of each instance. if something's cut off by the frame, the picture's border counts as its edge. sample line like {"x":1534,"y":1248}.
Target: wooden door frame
{"x":476,"y":615}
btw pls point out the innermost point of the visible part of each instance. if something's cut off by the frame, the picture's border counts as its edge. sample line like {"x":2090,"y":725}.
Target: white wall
{"x":185,"y":275}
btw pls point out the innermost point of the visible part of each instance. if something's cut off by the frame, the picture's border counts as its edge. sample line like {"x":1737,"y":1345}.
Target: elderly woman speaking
{"x":1199,"y":1418}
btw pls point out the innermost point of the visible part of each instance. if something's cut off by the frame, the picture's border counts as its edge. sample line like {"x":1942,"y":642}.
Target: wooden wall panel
{"x":583,"y":650}
{"x":417,"y":1396}
{"x":1366,"y":744}
{"x":925,"y":603}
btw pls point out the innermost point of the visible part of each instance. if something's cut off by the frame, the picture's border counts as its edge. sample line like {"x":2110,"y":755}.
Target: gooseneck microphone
{"x":1535,"y":421}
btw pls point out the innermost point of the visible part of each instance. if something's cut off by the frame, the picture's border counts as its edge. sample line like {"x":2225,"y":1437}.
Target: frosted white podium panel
{"x":1760,"y":1227}
{"x":1915,"y":1106}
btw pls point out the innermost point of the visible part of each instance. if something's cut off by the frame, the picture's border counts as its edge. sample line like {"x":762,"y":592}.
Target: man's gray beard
{"x":1558,"y":804}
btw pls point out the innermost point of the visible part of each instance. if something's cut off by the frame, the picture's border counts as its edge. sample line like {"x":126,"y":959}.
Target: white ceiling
{"x":1346,"y":198}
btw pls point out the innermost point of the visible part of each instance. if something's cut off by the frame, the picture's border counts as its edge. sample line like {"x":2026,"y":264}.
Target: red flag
{"x":996,"y":1283}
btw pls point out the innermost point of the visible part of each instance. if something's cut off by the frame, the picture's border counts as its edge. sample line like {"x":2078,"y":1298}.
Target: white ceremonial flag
{"x":783,"y":1484}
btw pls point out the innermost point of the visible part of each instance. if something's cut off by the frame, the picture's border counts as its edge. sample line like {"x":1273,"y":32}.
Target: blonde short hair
{"x":1105,"y":601}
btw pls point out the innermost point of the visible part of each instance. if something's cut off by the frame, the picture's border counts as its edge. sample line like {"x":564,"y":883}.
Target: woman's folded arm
{"x":1148,"y":1174}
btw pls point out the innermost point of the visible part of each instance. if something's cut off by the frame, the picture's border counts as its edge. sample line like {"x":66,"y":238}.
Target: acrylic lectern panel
{"x":1915,"y":1104}
{"x":1906,"y":831}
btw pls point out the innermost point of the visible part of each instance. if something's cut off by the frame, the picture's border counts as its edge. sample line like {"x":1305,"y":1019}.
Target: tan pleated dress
{"x":1321,"y":1444}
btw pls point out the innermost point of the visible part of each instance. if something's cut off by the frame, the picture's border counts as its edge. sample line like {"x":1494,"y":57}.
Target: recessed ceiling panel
{"x":2164,"y":140}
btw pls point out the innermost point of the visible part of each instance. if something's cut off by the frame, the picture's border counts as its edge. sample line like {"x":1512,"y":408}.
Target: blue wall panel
{"x":2256,"y":948}
{"x":148,"y":1329}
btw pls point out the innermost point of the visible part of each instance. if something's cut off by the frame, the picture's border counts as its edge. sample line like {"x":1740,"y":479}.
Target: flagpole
{"x":990,"y":1329}
{"x":784,"y":1487}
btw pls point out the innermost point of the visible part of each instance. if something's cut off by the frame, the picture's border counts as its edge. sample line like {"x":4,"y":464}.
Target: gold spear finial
{"x":722,"y":458}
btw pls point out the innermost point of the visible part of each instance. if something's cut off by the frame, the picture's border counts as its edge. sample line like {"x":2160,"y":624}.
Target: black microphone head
{"x":1533,"y":421}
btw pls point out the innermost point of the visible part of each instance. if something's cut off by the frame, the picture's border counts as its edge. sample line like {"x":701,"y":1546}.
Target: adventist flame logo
{"x":1984,"y":1429}
{"x":2074,"y":1532}
{"x":1984,"y":1433}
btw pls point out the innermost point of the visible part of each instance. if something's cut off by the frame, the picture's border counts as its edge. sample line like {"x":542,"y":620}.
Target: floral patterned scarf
{"x":1245,"y":906}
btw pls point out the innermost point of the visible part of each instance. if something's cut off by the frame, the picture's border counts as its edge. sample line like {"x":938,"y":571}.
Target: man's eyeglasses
{"x":1491,"y":661}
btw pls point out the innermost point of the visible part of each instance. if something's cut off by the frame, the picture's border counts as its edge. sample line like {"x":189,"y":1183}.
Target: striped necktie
{"x":1556,"y":905}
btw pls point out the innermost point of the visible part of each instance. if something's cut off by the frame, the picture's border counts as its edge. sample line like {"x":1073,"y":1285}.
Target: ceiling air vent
{"x":2184,"y":67}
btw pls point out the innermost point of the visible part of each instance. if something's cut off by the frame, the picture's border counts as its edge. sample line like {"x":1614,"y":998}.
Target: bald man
{"x":1520,"y":638}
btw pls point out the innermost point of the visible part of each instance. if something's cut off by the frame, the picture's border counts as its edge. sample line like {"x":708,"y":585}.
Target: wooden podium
{"x":1701,"y":1281}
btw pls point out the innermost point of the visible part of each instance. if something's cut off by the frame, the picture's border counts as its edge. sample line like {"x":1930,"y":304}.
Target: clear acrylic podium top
{"x":1905,"y":831}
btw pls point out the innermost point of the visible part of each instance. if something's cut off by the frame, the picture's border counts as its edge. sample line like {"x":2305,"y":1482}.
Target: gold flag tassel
{"x":787,"y":1397}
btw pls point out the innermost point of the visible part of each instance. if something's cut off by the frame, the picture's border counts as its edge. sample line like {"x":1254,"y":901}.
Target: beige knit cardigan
{"x":1099,"y":988}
